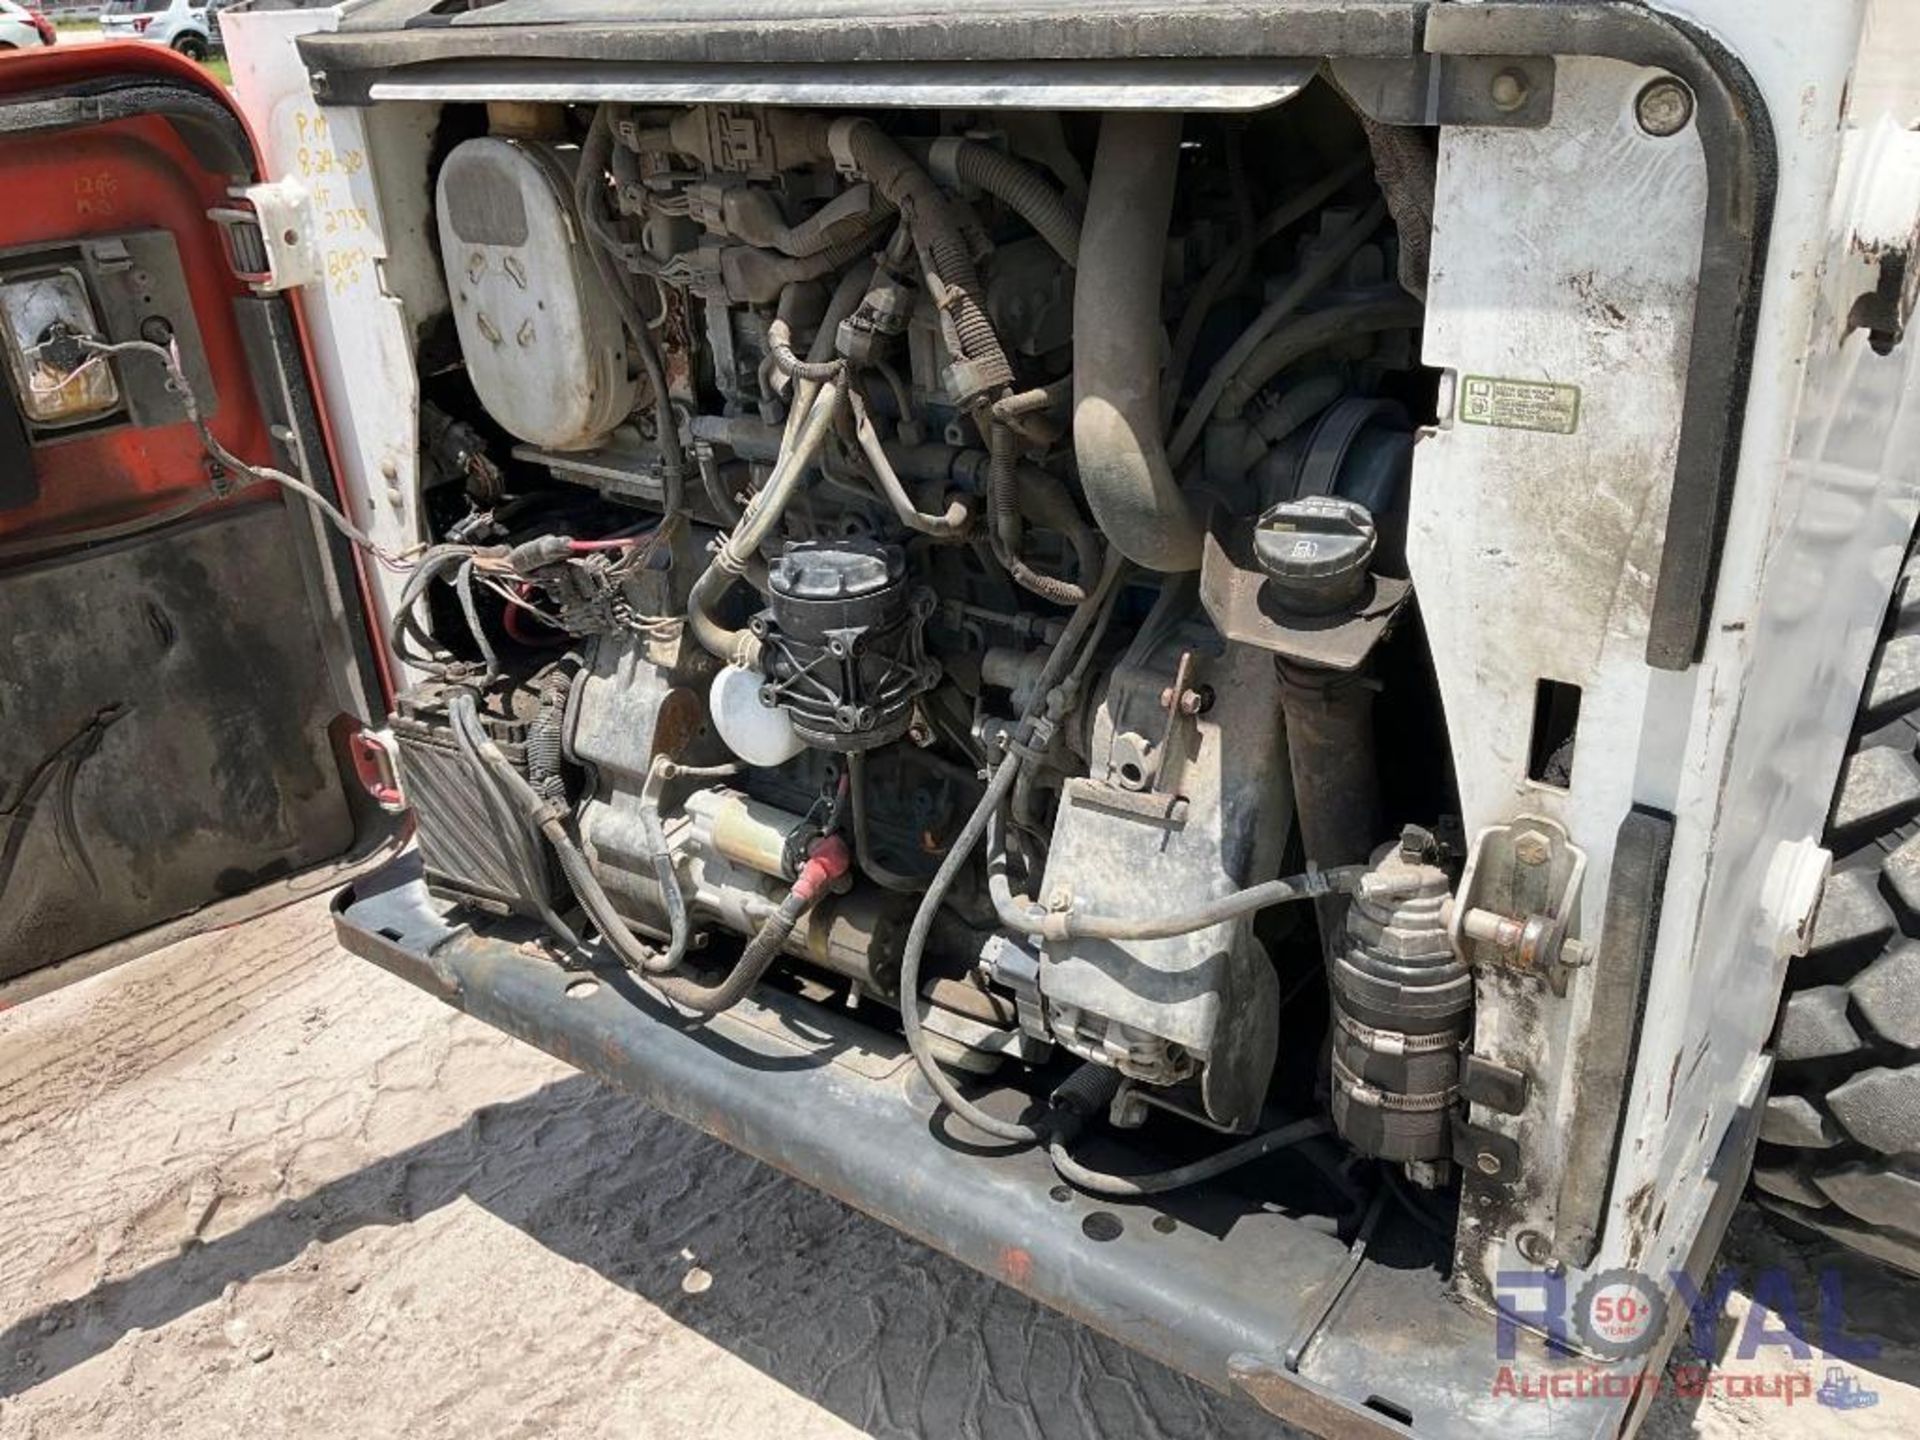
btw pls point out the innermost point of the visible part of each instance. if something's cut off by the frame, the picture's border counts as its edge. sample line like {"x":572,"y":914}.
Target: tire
{"x":194,"y":47}
{"x":1840,"y":1140}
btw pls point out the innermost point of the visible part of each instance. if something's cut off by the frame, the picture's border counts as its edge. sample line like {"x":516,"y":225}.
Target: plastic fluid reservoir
{"x":759,"y":734}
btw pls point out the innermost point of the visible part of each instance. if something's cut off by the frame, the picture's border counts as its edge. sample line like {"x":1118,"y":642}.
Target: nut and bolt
{"x":1509,"y":90}
{"x":1060,"y":900}
{"x":1530,"y":847}
{"x":1664,"y":107}
{"x":1196,"y":700}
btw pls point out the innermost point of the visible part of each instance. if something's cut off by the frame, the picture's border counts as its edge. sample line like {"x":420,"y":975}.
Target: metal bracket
{"x":271,"y":236}
{"x":1516,"y":901}
{"x":1511,"y":91}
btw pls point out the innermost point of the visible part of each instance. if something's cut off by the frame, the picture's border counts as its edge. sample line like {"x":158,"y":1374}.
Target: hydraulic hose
{"x":1018,"y":186}
{"x":1158,"y":1182}
{"x":1005,"y":497}
{"x":885,"y":878}
{"x":1090,"y":1090}
{"x":552,"y":820}
{"x":1315,"y":273}
{"x":1227,"y":272}
{"x":958,"y":854}
{"x":1045,"y":503}
{"x":1307,"y":334}
{"x":1018,"y":912}
{"x":730,"y":561}
{"x":826,"y":862}
{"x":1124,"y":467}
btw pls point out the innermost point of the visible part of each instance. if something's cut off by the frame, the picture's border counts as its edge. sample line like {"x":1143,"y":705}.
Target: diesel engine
{"x":951,"y":566}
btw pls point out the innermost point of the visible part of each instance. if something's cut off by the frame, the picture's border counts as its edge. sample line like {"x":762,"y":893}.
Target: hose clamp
{"x":943,"y":161}
{"x":840,"y":144}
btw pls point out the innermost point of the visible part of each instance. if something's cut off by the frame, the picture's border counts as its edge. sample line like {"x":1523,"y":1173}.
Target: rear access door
{"x":183,"y":655}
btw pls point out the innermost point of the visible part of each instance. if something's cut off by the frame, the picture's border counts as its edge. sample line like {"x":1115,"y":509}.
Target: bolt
{"x":1487,"y":1163}
{"x":1509,"y":90}
{"x":1530,"y":848}
{"x":1061,"y":899}
{"x":1664,"y":107}
{"x":1534,"y":1247}
{"x":1195,"y":701}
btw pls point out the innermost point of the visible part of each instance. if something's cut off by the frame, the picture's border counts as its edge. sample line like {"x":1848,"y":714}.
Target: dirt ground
{"x":252,"y":1186}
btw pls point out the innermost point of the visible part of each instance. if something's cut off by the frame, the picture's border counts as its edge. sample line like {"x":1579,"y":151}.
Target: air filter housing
{"x":542,"y":338}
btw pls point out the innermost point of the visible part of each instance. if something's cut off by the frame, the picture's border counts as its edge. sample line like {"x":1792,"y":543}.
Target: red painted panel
{"x":105,"y":179}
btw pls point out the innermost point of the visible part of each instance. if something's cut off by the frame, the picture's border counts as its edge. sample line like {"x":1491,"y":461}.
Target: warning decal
{"x":1520,"y":404}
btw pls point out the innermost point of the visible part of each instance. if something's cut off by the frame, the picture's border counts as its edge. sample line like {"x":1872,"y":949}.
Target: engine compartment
{"x":951,"y":566}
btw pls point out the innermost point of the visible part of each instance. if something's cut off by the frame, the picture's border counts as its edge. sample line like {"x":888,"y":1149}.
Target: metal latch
{"x":1516,"y":901}
{"x":272,"y":240}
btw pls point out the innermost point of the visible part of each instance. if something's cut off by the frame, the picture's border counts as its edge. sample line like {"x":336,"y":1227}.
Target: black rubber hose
{"x":628,"y":948}
{"x":1004,"y":504}
{"x":1023,"y":190}
{"x":755,"y":960}
{"x":1228,"y":271}
{"x":885,"y":878}
{"x":1046,"y":505}
{"x":595,"y":151}
{"x":1314,"y":273}
{"x":1021,"y":914}
{"x":1394,"y":311}
{"x":1158,"y":1182}
{"x":463,"y":587}
{"x":1078,"y":625}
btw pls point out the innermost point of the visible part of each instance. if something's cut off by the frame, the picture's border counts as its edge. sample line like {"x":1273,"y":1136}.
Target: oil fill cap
{"x":1315,"y":552}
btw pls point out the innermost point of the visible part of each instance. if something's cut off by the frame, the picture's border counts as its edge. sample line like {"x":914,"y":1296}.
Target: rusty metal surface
{"x":1214,"y":1284}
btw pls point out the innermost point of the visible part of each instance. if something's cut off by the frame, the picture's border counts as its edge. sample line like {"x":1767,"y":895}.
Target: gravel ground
{"x":256,"y":1187}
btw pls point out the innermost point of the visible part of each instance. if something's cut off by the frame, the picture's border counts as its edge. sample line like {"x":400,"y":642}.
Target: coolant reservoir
{"x":543,"y":342}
